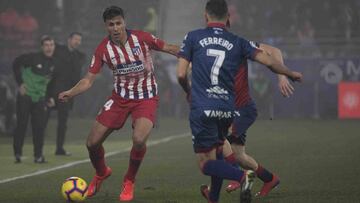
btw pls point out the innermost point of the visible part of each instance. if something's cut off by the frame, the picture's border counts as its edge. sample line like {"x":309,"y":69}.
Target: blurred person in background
{"x":128,"y":54}
{"x":33,"y":73}
{"x":68,"y":63}
{"x":7,"y":106}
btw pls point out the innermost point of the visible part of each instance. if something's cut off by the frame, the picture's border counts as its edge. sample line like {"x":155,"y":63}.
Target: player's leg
{"x":97,"y":136}
{"x":143,"y":115}
{"x":38,"y":120}
{"x":270,"y":180}
{"x":112,"y":116}
{"x":23,"y":107}
{"x":207,"y":136}
{"x":238,"y":138}
{"x":62,"y":118}
{"x":245,"y":161}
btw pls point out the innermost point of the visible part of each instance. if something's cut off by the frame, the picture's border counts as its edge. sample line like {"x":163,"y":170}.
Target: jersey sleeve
{"x":96,"y":61}
{"x":186,"y":48}
{"x":19,"y":63}
{"x":249,"y":49}
{"x":153,"y":42}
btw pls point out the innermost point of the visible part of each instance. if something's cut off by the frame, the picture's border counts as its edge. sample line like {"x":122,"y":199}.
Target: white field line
{"x":149,"y":144}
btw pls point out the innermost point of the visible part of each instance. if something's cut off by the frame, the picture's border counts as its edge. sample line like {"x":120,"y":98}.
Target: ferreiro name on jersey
{"x":217,"y":41}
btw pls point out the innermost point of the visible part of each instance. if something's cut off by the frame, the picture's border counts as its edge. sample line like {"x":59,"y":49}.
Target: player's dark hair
{"x":74,"y":33}
{"x":217,"y":9}
{"x":113,"y":11}
{"x":45,"y":38}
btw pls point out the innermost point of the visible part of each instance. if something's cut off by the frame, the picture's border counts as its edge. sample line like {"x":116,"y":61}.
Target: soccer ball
{"x":74,"y":189}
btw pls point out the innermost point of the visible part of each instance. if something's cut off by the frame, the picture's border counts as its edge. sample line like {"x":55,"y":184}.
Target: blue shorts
{"x":242,"y":123}
{"x":208,"y":132}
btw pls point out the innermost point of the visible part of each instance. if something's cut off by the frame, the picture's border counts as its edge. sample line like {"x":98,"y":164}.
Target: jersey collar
{"x":220,"y":25}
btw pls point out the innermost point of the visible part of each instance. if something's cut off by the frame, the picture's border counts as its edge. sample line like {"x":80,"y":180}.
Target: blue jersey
{"x":216,"y":57}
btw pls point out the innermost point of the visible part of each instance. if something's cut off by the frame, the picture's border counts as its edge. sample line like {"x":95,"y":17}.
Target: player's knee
{"x":91,"y":145}
{"x":138,"y":143}
{"x":240,"y":156}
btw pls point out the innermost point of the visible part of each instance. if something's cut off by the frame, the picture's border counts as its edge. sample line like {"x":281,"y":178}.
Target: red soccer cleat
{"x":95,"y":183}
{"x":267,"y":187}
{"x":234,"y":185}
{"x":127,"y":193}
{"x":204,"y":189}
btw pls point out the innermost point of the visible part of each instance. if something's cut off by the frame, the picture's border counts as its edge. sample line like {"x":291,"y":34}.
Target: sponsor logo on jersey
{"x":221,"y":114}
{"x":123,"y":69}
{"x":217,"y":90}
{"x":218,"y":31}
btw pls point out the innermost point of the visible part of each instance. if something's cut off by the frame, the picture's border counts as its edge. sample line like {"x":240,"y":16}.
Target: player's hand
{"x":65,"y":96}
{"x":296,"y":76}
{"x":285,"y":87}
{"x":22,"y":89}
{"x":50,"y":103}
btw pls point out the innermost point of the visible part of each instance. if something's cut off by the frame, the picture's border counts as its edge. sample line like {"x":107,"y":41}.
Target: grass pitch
{"x":316,"y":160}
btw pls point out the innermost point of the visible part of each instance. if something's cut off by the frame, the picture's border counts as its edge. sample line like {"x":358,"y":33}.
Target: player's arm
{"x":284,"y":85}
{"x":83,"y":85}
{"x":182,"y":72}
{"x":159,"y":44}
{"x":18,"y":64}
{"x":276,"y":66}
{"x":171,"y":49}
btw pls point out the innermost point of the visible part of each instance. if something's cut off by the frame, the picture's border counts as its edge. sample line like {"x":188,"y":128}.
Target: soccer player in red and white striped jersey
{"x":128,"y":54}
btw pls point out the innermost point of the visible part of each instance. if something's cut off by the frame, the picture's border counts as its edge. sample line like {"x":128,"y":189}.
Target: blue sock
{"x":223,"y":170}
{"x":215,"y":188}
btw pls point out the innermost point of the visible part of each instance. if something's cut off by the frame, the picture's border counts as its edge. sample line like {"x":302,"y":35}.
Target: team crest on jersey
{"x":136,"y":50}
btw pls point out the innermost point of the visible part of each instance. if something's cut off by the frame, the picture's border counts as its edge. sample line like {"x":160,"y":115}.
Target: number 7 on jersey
{"x":219,"y":60}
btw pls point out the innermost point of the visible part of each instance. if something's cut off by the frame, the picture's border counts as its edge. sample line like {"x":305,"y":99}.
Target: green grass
{"x":317,"y":161}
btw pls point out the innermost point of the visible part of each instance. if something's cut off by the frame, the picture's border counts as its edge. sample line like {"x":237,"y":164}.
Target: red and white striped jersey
{"x":131,"y":64}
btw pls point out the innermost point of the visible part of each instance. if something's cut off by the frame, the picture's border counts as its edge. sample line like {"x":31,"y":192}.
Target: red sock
{"x":136,"y":157}
{"x":231,"y":159}
{"x":264,"y":175}
{"x":98,"y":160}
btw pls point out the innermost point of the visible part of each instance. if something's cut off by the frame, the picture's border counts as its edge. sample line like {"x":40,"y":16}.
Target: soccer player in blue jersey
{"x":247,"y":108}
{"x":216,"y":56}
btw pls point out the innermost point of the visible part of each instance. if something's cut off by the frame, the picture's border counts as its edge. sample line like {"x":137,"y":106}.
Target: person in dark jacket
{"x":33,"y":73}
{"x":68,"y":63}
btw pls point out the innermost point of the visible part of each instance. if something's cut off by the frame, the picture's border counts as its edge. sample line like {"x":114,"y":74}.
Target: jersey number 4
{"x":219,"y":60}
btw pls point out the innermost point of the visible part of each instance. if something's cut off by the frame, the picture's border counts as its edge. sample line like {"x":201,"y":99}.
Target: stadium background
{"x":320,"y":38}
